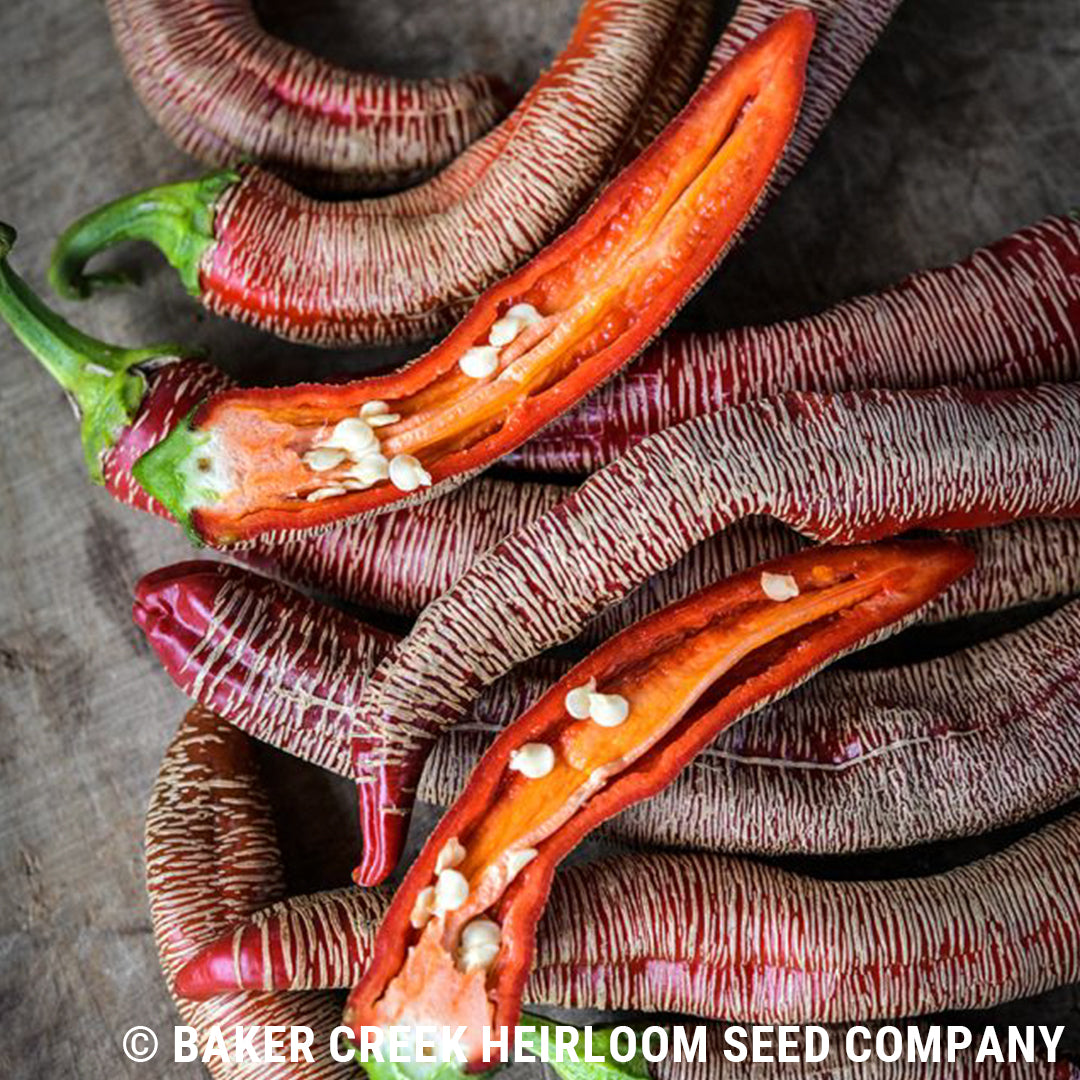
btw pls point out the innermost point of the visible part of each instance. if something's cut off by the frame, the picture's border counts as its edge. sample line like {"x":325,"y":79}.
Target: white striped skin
{"x":209,"y":871}
{"x":839,"y":468}
{"x":224,"y":90}
{"x":289,"y":671}
{"x":864,"y":760}
{"x":212,"y":859}
{"x":1008,"y":315}
{"x":720,"y":937}
{"x":334,"y":273}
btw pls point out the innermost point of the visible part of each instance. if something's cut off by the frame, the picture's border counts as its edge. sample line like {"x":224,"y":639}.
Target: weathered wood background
{"x":964,"y":125}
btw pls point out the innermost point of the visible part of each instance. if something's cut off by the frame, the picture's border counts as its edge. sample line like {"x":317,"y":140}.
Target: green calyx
{"x":600,"y":1047}
{"x":178,"y":219}
{"x":180,"y":472}
{"x":104,"y":381}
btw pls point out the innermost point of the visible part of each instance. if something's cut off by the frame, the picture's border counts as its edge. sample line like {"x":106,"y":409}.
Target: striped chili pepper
{"x":224,"y":90}
{"x":1008,"y":315}
{"x":403,"y":267}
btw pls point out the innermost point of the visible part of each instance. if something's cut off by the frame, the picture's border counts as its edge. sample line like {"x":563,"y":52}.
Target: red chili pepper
{"x":845,"y":468}
{"x":254,"y":461}
{"x":1008,"y":315}
{"x":856,"y":760}
{"x":405,"y":267}
{"x":456,"y":945}
{"x":224,"y":89}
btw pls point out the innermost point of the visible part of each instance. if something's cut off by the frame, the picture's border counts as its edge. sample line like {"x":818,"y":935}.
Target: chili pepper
{"x":840,"y":468}
{"x":1005,"y":316}
{"x":288,"y":670}
{"x":281,"y":666}
{"x":456,"y":944}
{"x":769,"y":946}
{"x":403,"y":267}
{"x":254,"y":461}
{"x":212,"y":860}
{"x":224,"y":89}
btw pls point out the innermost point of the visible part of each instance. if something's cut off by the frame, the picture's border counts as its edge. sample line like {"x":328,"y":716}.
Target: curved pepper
{"x":404,"y":267}
{"x":456,"y":944}
{"x":224,"y":89}
{"x":253,"y":461}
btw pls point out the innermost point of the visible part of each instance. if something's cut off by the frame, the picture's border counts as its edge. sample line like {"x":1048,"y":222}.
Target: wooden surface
{"x":964,"y":124}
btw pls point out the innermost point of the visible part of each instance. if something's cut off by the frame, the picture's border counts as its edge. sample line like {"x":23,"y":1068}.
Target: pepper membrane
{"x":456,"y":944}
{"x":251,"y":461}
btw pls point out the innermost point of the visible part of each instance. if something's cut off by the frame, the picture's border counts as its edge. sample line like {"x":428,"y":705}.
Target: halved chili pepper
{"x":1007,"y":315}
{"x":250,"y":462}
{"x":456,"y":944}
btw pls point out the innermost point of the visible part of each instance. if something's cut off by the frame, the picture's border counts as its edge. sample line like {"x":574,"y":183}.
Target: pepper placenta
{"x":255,"y":461}
{"x":456,"y":944}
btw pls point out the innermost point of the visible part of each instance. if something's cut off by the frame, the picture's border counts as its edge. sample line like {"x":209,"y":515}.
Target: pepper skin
{"x":841,"y":468}
{"x":674,"y":681}
{"x":225,"y":90}
{"x":254,"y":461}
{"x":398,"y":268}
{"x":1008,"y":315}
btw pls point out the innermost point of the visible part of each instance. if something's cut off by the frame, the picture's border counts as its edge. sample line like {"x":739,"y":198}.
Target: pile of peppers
{"x":311,"y":481}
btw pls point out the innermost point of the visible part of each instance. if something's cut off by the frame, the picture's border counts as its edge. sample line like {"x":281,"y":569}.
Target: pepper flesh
{"x":687,"y":673}
{"x":599,"y":293}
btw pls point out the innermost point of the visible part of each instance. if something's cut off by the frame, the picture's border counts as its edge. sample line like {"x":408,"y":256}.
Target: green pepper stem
{"x":102,"y":380}
{"x":178,"y":219}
